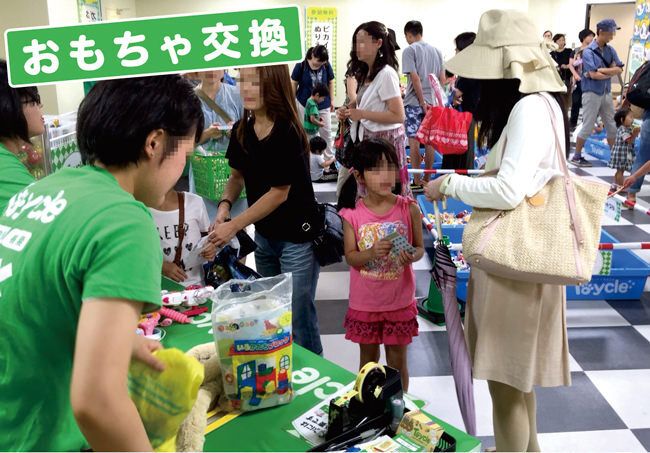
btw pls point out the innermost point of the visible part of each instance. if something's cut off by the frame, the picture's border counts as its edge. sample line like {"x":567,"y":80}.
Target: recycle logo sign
{"x":160,"y":45}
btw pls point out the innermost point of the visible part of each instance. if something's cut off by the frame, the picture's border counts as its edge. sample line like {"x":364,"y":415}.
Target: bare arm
{"x":597,"y":75}
{"x":99,"y":393}
{"x":351,"y":85}
{"x":416,"y":225}
{"x":613,"y":71}
{"x":394,"y":114}
{"x":417,"y":86}
{"x":328,"y":163}
{"x":294,"y":84}
{"x":233,"y":189}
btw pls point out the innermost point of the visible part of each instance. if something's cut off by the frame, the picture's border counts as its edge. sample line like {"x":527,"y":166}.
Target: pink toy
{"x":148,"y":322}
{"x":174,"y":315}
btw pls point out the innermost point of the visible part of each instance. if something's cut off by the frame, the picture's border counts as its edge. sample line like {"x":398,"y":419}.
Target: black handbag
{"x":328,"y":243}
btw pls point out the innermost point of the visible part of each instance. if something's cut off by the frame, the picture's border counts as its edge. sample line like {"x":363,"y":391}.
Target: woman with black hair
{"x":378,"y":111}
{"x":83,"y":263}
{"x":315,"y":70}
{"x":21,"y":118}
{"x":562,"y":57}
{"x":516,"y":331}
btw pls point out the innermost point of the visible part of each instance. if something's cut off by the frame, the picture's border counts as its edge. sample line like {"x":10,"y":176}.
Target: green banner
{"x":160,"y":45}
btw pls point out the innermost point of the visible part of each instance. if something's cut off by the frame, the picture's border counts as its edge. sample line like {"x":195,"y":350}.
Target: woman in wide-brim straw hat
{"x":516,"y":331}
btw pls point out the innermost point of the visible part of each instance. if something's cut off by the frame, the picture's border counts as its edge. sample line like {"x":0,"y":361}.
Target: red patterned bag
{"x":444,"y":128}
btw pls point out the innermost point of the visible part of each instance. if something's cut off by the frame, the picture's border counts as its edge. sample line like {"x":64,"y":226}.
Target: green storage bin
{"x":211,"y":174}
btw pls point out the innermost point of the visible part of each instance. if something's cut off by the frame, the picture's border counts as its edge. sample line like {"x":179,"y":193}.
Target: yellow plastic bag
{"x":164,"y":399}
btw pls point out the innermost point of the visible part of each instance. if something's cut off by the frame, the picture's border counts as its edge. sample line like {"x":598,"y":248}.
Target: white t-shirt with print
{"x":196,"y":222}
{"x":385,"y":86}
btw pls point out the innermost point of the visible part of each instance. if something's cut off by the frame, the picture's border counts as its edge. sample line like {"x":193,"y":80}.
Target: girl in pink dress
{"x":382,"y":306}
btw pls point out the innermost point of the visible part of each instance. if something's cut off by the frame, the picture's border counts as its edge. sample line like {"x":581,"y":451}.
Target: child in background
{"x":189,"y":268}
{"x":623,"y":151}
{"x":320,"y":168}
{"x":382,"y":283}
{"x":312,"y":120}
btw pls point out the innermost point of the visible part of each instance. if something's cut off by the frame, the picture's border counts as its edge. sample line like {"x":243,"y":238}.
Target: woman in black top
{"x":269,"y":155}
{"x":562,"y":56}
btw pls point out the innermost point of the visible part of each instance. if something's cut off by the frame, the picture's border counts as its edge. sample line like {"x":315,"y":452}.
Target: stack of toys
{"x":452,"y":218}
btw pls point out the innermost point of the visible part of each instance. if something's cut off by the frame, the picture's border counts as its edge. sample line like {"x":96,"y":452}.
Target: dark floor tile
{"x":580,"y":407}
{"x":644,"y":437}
{"x":636,"y":312}
{"x":428,"y":355}
{"x":580,"y":172}
{"x":326,"y":197}
{"x":611,"y":348}
{"x":331,"y":314}
{"x":635,"y":216}
{"x":627,"y":233}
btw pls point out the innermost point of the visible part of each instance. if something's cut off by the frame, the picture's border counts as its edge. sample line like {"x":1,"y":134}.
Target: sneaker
{"x":580,"y":162}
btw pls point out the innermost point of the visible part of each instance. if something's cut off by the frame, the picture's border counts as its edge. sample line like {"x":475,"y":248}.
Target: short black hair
{"x":319,"y":52}
{"x":13,"y":123}
{"x":321,"y":90}
{"x":620,"y":115}
{"x":464,"y":40}
{"x":557,"y":37}
{"x":116,"y":117}
{"x":317,"y":145}
{"x":585,"y":33}
{"x":413,"y":27}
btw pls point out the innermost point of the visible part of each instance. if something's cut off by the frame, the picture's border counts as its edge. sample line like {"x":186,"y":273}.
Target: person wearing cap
{"x":419,"y":60}
{"x":600,"y":63}
{"x":516,"y":331}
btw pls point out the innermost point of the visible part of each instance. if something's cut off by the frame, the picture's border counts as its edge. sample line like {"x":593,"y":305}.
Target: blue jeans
{"x":643,"y":155}
{"x":279,"y":257}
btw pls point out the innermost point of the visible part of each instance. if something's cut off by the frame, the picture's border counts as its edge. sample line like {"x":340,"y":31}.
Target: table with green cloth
{"x":314,"y":379}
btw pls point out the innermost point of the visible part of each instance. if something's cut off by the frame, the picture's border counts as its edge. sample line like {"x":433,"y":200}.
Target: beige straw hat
{"x":507,"y":46}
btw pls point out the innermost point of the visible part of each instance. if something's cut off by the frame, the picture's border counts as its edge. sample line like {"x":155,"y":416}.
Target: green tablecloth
{"x":315,"y":379}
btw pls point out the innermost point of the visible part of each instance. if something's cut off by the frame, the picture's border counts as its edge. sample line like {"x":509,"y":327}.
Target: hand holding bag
{"x":551,"y":237}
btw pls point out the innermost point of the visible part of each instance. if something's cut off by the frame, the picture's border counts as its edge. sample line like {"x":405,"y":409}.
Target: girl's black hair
{"x":464,"y":40}
{"x":620,"y":115}
{"x":116,"y":117}
{"x":497,"y":99}
{"x":319,"y":52}
{"x":385,"y":56}
{"x":13,"y":123}
{"x":366,"y":155}
{"x":557,"y":37}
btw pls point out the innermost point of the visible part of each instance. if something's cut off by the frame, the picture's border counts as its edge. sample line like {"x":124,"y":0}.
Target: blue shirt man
{"x":599,"y":64}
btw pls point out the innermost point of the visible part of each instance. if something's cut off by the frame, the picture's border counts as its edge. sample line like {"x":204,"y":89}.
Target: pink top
{"x":382,"y":284}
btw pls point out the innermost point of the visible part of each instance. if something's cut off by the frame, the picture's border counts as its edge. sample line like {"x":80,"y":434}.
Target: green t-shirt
{"x":311,"y":108}
{"x":71,"y":237}
{"x":13,"y":176}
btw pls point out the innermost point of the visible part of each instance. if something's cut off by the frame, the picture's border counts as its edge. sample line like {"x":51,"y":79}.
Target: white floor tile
{"x":599,"y":171}
{"x":333,"y":286}
{"x":427,"y":326}
{"x":423,"y":265}
{"x":644,"y":330}
{"x":645,"y":228}
{"x":591,"y":441}
{"x":440,"y":394}
{"x":574,"y":366}
{"x":628,"y":392}
{"x":341,"y":351}
{"x":608,"y":221}
{"x":593,"y":313}
{"x":325,"y":187}
{"x":643,"y":254}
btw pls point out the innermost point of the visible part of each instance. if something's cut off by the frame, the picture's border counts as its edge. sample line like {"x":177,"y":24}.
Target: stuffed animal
{"x":191,"y":435}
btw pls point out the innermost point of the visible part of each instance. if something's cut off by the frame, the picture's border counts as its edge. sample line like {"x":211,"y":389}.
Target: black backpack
{"x":638,"y":91}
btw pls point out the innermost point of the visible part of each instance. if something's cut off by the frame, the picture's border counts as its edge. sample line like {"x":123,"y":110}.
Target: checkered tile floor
{"x":608,"y":406}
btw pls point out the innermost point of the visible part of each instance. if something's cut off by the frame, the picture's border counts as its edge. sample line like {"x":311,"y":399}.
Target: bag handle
{"x":181,"y":228}
{"x":437,"y":90}
{"x":568,"y":181}
{"x":212,"y":104}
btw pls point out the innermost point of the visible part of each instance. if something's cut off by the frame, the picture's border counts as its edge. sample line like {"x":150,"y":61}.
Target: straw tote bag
{"x":551,"y":237}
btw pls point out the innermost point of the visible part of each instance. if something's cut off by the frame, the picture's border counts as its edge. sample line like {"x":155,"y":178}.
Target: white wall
{"x":27,"y":13}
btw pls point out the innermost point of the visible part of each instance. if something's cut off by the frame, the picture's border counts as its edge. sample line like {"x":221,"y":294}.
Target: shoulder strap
{"x":181,"y":228}
{"x":599,"y":56}
{"x":213,"y":105}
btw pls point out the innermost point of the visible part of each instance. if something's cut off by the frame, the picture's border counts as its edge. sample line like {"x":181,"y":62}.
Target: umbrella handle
{"x":437,"y":213}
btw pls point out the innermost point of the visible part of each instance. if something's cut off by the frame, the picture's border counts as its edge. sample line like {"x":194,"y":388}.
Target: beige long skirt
{"x":516,"y":332}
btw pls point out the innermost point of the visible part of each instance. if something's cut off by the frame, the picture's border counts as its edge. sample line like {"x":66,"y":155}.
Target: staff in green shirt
{"x":20,"y":118}
{"x":80,"y":260}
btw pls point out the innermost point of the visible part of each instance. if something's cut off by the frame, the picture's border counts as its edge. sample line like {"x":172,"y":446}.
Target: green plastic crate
{"x":211,"y":174}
